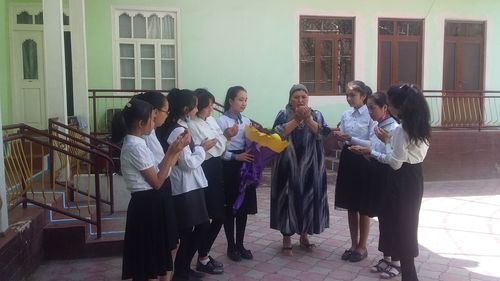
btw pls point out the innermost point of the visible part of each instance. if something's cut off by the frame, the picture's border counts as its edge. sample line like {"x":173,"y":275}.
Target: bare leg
{"x":353,"y":220}
{"x":364,"y":230}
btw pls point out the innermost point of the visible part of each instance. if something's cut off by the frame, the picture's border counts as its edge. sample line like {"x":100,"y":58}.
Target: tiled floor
{"x":459,"y":239}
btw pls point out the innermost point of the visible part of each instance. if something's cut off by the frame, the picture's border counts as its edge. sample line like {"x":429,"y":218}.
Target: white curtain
{"x":168,"y":27}
{"x":154,"y":27}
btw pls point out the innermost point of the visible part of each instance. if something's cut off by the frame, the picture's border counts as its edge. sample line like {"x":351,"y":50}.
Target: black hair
{"x":379,"y":98}
{"x":155,"y":98}
{"x":413,"y":110}
{"x":231,"y":94}
{"x":178,"y":101}
{"x":361,"y":88}
{"x":204,"y":98}
{"x":124,"y":122}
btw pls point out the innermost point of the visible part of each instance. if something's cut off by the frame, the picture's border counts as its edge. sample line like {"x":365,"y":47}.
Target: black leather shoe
{"x":346,"y":255}
{"x":216,"y":262}
{"x":196,"y":274}
{"x":356,"y":256}
{"x":234,"y":255}
{"x":246,"y":254}
{"x":209,"y":268}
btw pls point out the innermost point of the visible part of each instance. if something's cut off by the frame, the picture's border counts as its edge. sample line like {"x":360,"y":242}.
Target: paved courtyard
{"x":459,"y":239}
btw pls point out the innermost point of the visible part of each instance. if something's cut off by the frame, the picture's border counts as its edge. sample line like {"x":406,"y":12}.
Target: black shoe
{"x":245,"y":254}
{"x":234,"y":255}
{"x":195,"y":274}
{"x":346,"y":255}
{"x":209,"y":268}
{"x":215,"y":262}
{"x":356,"y":256}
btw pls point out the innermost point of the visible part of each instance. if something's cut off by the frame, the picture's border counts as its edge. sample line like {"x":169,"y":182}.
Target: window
{"x":146,"y":50}
{"x":399,"y":52}
{"x":326,"y":54}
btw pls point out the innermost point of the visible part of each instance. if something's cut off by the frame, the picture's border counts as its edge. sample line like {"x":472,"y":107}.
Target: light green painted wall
{"x":5,"y":96}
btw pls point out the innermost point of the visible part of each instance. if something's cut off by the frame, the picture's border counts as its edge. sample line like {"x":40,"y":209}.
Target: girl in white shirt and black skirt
{"x":188,"y":182}
{"x":146,"y":252}
{"x":407,"y":149}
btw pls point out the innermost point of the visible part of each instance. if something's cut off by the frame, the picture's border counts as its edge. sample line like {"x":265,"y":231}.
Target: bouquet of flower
{"x":264,"y":146}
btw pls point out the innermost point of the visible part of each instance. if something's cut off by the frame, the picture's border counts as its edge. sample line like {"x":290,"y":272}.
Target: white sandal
{"x":390,"y":272}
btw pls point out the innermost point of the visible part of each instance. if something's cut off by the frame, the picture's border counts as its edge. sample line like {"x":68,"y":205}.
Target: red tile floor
{"x":459,"y":239}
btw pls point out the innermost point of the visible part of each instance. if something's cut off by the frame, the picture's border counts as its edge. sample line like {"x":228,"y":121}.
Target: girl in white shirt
{"x":146,"y":252}
{"x":356,"y":126}
{"x":406,"y":150}
{"x":188,"y":182}
{"x":203,"y":126}
{"x":234,"y":104}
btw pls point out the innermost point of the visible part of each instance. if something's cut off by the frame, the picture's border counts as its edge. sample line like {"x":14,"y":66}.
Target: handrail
{"x":48,"y":140}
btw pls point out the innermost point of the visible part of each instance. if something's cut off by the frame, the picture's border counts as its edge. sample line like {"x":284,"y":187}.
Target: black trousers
{"x":209,"y":239}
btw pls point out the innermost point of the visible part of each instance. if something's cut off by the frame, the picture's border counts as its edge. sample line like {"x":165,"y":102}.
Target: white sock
{"x":204,"y":261}
{"x":396,"y":263}
{"x":387,"y":258}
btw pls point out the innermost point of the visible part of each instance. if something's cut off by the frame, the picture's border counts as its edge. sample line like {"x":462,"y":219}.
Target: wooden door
{"x":463,"y":74}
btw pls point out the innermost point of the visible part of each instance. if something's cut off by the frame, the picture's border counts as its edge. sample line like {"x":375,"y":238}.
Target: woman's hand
{"x":303,"y":112}
{"x":207,"y":144}
{"x":342,"y":136}
{"x":231,"y":131}
{"x":182,"y":141}
{"x":382,"y":135}
{"x":244,"y":157}
{"x":361,"y":150}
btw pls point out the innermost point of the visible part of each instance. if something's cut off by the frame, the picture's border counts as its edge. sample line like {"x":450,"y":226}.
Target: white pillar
{"x":4,"y":219}
{"x":55,"y":74}
{"x":79,"y":58}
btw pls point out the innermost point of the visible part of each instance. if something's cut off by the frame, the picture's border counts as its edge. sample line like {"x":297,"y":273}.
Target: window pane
{"x":167,"y":84}
{"x":65,"y":19}
{"x":326,"y":79}
{"x":39,"y":18}
{"x":127,"y":68}
{"x":409,"y":28}
{"x":307,"y":62}
{"x":167,"y":52}
{"x":386,"y":27}
{"x":125,"y":26}
{"x":128,"y":84}
{"x":407,"y":62}
{"x":148,"y":84}
{"x":147,"y":51}
{"x":148,"y":68}
{"x":470,"y":75}
{"x":168,"y":27}
{"x":326,"y":25}
{"x":139,"y":26}
{"x":345,"y":71}
{"x":154,"y":27}
{"x":30,"y":60}
{"x":385,"y":66}
{"x":126,"y":50}
{"x":167,"y":69}
{"x":24,"y":18}
{"x":449,"y":66}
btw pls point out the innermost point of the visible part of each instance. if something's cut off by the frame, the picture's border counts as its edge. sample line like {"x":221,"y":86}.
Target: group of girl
{"x":175,"y":161}
{"x":182,"y":168}
{"x":380,"y":173}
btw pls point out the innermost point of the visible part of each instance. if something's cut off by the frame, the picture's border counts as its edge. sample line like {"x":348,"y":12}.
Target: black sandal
{"x":380,"y":266}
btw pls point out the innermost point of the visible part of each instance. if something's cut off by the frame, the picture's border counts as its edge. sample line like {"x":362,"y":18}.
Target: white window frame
{"x":146,"y":11}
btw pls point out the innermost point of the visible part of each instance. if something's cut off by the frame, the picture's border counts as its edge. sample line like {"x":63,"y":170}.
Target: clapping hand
{"x":382,"y":134}
{"x":361,"y":150}
{"x":302,"y":113}
{"x":208,"y":143}
{"x":182,"y":141}
{"x":342,"y":136}
{"x":231,"y":131}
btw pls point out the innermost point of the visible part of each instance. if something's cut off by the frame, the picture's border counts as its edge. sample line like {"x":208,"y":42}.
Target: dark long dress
{"x":299,"y":202}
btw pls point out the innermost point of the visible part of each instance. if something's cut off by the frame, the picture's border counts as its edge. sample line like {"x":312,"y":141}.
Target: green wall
{"x":5,"y":95}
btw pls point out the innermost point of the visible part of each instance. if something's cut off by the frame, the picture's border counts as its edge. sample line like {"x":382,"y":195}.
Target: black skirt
{"x":190,"y":208}
{"x":146,"y":249}
{"x":172,"y":233}
{"x":375,"y":188}
{"x":352,"y":179}
{"x":214,"y":192}
{"x":400,"y":210}
{"x":231,"y":188}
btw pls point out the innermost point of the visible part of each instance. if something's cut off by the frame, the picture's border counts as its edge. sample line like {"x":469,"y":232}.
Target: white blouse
{"x":136,"y":157}
{"x":154,"y":145}
{"x":358,"y":124}
{"x":401,"y":150}
{"x":188,"y":174}
{"x":208,"y":129}
{"x":238,"y":141}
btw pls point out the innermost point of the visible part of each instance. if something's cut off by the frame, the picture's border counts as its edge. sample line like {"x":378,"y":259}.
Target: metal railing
{"x":104,"y":103}
{"x":35,"y":160}
{"x":464,"y":109}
